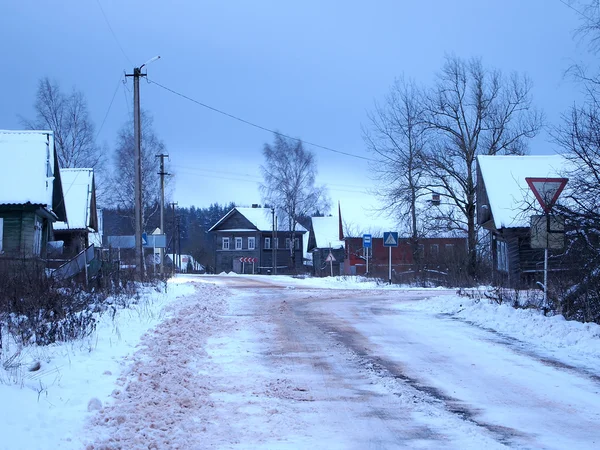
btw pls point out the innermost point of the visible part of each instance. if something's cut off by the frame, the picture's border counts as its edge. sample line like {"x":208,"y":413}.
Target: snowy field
{"x":187,"y":369}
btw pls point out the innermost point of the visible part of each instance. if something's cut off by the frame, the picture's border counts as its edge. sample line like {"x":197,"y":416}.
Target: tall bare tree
{"x":397,"y":138}
{"x":123,"y":180}
{"x":289,"y":172}
{"x":68,"y":117}
{"x":474,"y":111}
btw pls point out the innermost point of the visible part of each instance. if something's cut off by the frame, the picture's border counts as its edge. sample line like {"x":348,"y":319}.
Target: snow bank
{"x":48,"y":407}
{"x":528,"y":325}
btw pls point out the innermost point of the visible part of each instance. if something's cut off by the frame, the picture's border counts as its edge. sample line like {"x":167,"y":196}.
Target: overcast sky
{"x":311,"y":69}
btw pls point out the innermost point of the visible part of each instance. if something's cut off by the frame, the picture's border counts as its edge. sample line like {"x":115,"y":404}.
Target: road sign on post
{"x":546,"y":191}
{"x":390,"y":239}
{"x":367,"y":244}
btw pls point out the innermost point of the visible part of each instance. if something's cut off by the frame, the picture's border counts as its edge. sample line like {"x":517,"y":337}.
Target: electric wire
{"x":109,"y":106}
{"x":568,"y":5}
{"x":260,"y":127}
{"x":113,"y":33}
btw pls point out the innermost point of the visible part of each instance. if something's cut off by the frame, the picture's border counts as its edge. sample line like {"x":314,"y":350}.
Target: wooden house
{"x":248,"y":233}
{"x":325,"y":238}
{"x":31,"y":195}
{"x":505,"y":205}
{"x":82,"y":217}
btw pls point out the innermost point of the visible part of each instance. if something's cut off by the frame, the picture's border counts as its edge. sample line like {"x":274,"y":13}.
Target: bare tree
{"x":68,"y":117}
{"x":289,"y":173}
{"x":397,"y":137}
{"x":123,"y":180}
{"x":474,"y":111}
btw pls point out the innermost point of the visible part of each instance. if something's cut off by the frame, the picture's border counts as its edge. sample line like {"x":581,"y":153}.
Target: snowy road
{"x":257,"y":365}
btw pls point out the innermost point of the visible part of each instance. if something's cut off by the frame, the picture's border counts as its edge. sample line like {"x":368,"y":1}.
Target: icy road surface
{"x":247,"y":363}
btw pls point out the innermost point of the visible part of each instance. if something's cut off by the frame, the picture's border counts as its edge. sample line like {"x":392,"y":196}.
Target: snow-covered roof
{"x":78,"y":190}
{"x":508,"y":192}
{"x":326,"y":231}
{"x":27,"y":167}
{"x":261,"y":218}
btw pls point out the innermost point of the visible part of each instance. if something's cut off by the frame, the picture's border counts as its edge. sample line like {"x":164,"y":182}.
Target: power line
{"x":260,"y":127}
{"x":109,"y":107}
{"x":568,"y":5}
{"x":113,"y":33}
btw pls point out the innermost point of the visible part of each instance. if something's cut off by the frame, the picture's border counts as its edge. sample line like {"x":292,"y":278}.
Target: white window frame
{"x":239,"y":243}
{"x":267,"y":243}
{"x":225,"y":244}
{"x":37,"y":238}
{"x":434,"y":250}
{"x":251,"y":243}
{"x":1,"y":232}
{"x":502,"y":256}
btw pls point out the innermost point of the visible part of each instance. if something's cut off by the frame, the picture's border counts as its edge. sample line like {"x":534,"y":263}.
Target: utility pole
{"x":162,"y":174}
{"x":137,"y":132}
{"x":173,"y":204}
{"x":179,"y":242}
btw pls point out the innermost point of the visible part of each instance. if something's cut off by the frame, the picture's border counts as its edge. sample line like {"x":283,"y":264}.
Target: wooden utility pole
{"x":173,"y":204}
{"x":137,"y":132}
{"x":162,"y":174}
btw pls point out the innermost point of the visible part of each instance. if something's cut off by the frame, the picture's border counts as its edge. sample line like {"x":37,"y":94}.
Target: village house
{"x":244,"y":242}
{"x":82,"y":218}
{"x":325,"y":238}
{"x":31,"y":195}
{"x":505,"y":204}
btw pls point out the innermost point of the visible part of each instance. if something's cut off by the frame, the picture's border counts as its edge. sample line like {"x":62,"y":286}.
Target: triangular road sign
{"x":547,"y":190}
{"x":390,"y":240}
{"x":330,"y":258}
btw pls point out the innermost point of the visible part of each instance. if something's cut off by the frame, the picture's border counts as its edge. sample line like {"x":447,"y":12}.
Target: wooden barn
{"x":505,"y":204}
{"x":31,"y":195}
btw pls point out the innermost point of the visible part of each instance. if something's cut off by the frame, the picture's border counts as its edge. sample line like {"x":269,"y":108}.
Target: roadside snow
{"x":46,"y":409}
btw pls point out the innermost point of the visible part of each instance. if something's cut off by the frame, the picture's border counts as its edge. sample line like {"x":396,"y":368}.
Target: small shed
{"x":325,"y":238}
{"x":82,"y":218}
{"x":31,"y":195}
{"x":505,"y":204}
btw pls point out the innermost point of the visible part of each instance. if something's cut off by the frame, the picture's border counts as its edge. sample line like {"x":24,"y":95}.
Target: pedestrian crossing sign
{"x":390,"y":239}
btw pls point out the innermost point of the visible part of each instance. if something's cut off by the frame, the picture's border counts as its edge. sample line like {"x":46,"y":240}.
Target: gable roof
{"x":260,"y":218}
{"x":326,"y":232}
{"x":30,"y":174}
{"x":80,"y":200}
{"x":507,"y":191}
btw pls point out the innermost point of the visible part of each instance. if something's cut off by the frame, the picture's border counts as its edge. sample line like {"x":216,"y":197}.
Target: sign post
{"x":367,"y":244}
{"x":390,"y":239}
{"x":330,"y":259}
{"x":546,"y":191}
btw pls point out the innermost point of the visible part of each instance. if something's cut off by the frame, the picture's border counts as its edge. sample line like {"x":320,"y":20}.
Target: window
{"x":297,"y":242}
{"x":502,"y":256}
{"x":251,"y":243}
{"x":435,"y":250}
{"x":1,"y":232}
{"x":288,"y":243}
{"x":225,"y":243}
{"x":37,"y":239}
{"x":238,"y":243}
{"x":267,"y":243}
{"x":449,"y":249}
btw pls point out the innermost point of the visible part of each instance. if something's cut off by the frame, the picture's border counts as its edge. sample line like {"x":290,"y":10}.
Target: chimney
{"x":435,"y":199}
{"x":255,"y":205}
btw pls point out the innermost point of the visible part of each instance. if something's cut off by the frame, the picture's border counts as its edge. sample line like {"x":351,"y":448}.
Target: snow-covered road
{"x":250,"y":363}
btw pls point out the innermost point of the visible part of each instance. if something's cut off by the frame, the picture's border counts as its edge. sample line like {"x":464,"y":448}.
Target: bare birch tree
{"x":397,"y":138}
{"x":123,"y":179}
{"x":68,"y":117}
{"x":474,"y":111}
{"x":289,"y":172}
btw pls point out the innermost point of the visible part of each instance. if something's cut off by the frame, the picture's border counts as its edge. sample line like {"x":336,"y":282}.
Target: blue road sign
{"x":144,"y":238}
{"x":390,"y":239}
{"x":367,"y":243}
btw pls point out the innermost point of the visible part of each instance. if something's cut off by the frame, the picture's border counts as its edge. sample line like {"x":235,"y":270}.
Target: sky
{"x":310,"y":69}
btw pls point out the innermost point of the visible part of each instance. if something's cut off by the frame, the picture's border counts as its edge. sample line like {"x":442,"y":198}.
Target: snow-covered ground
{"x":206,"y":366}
